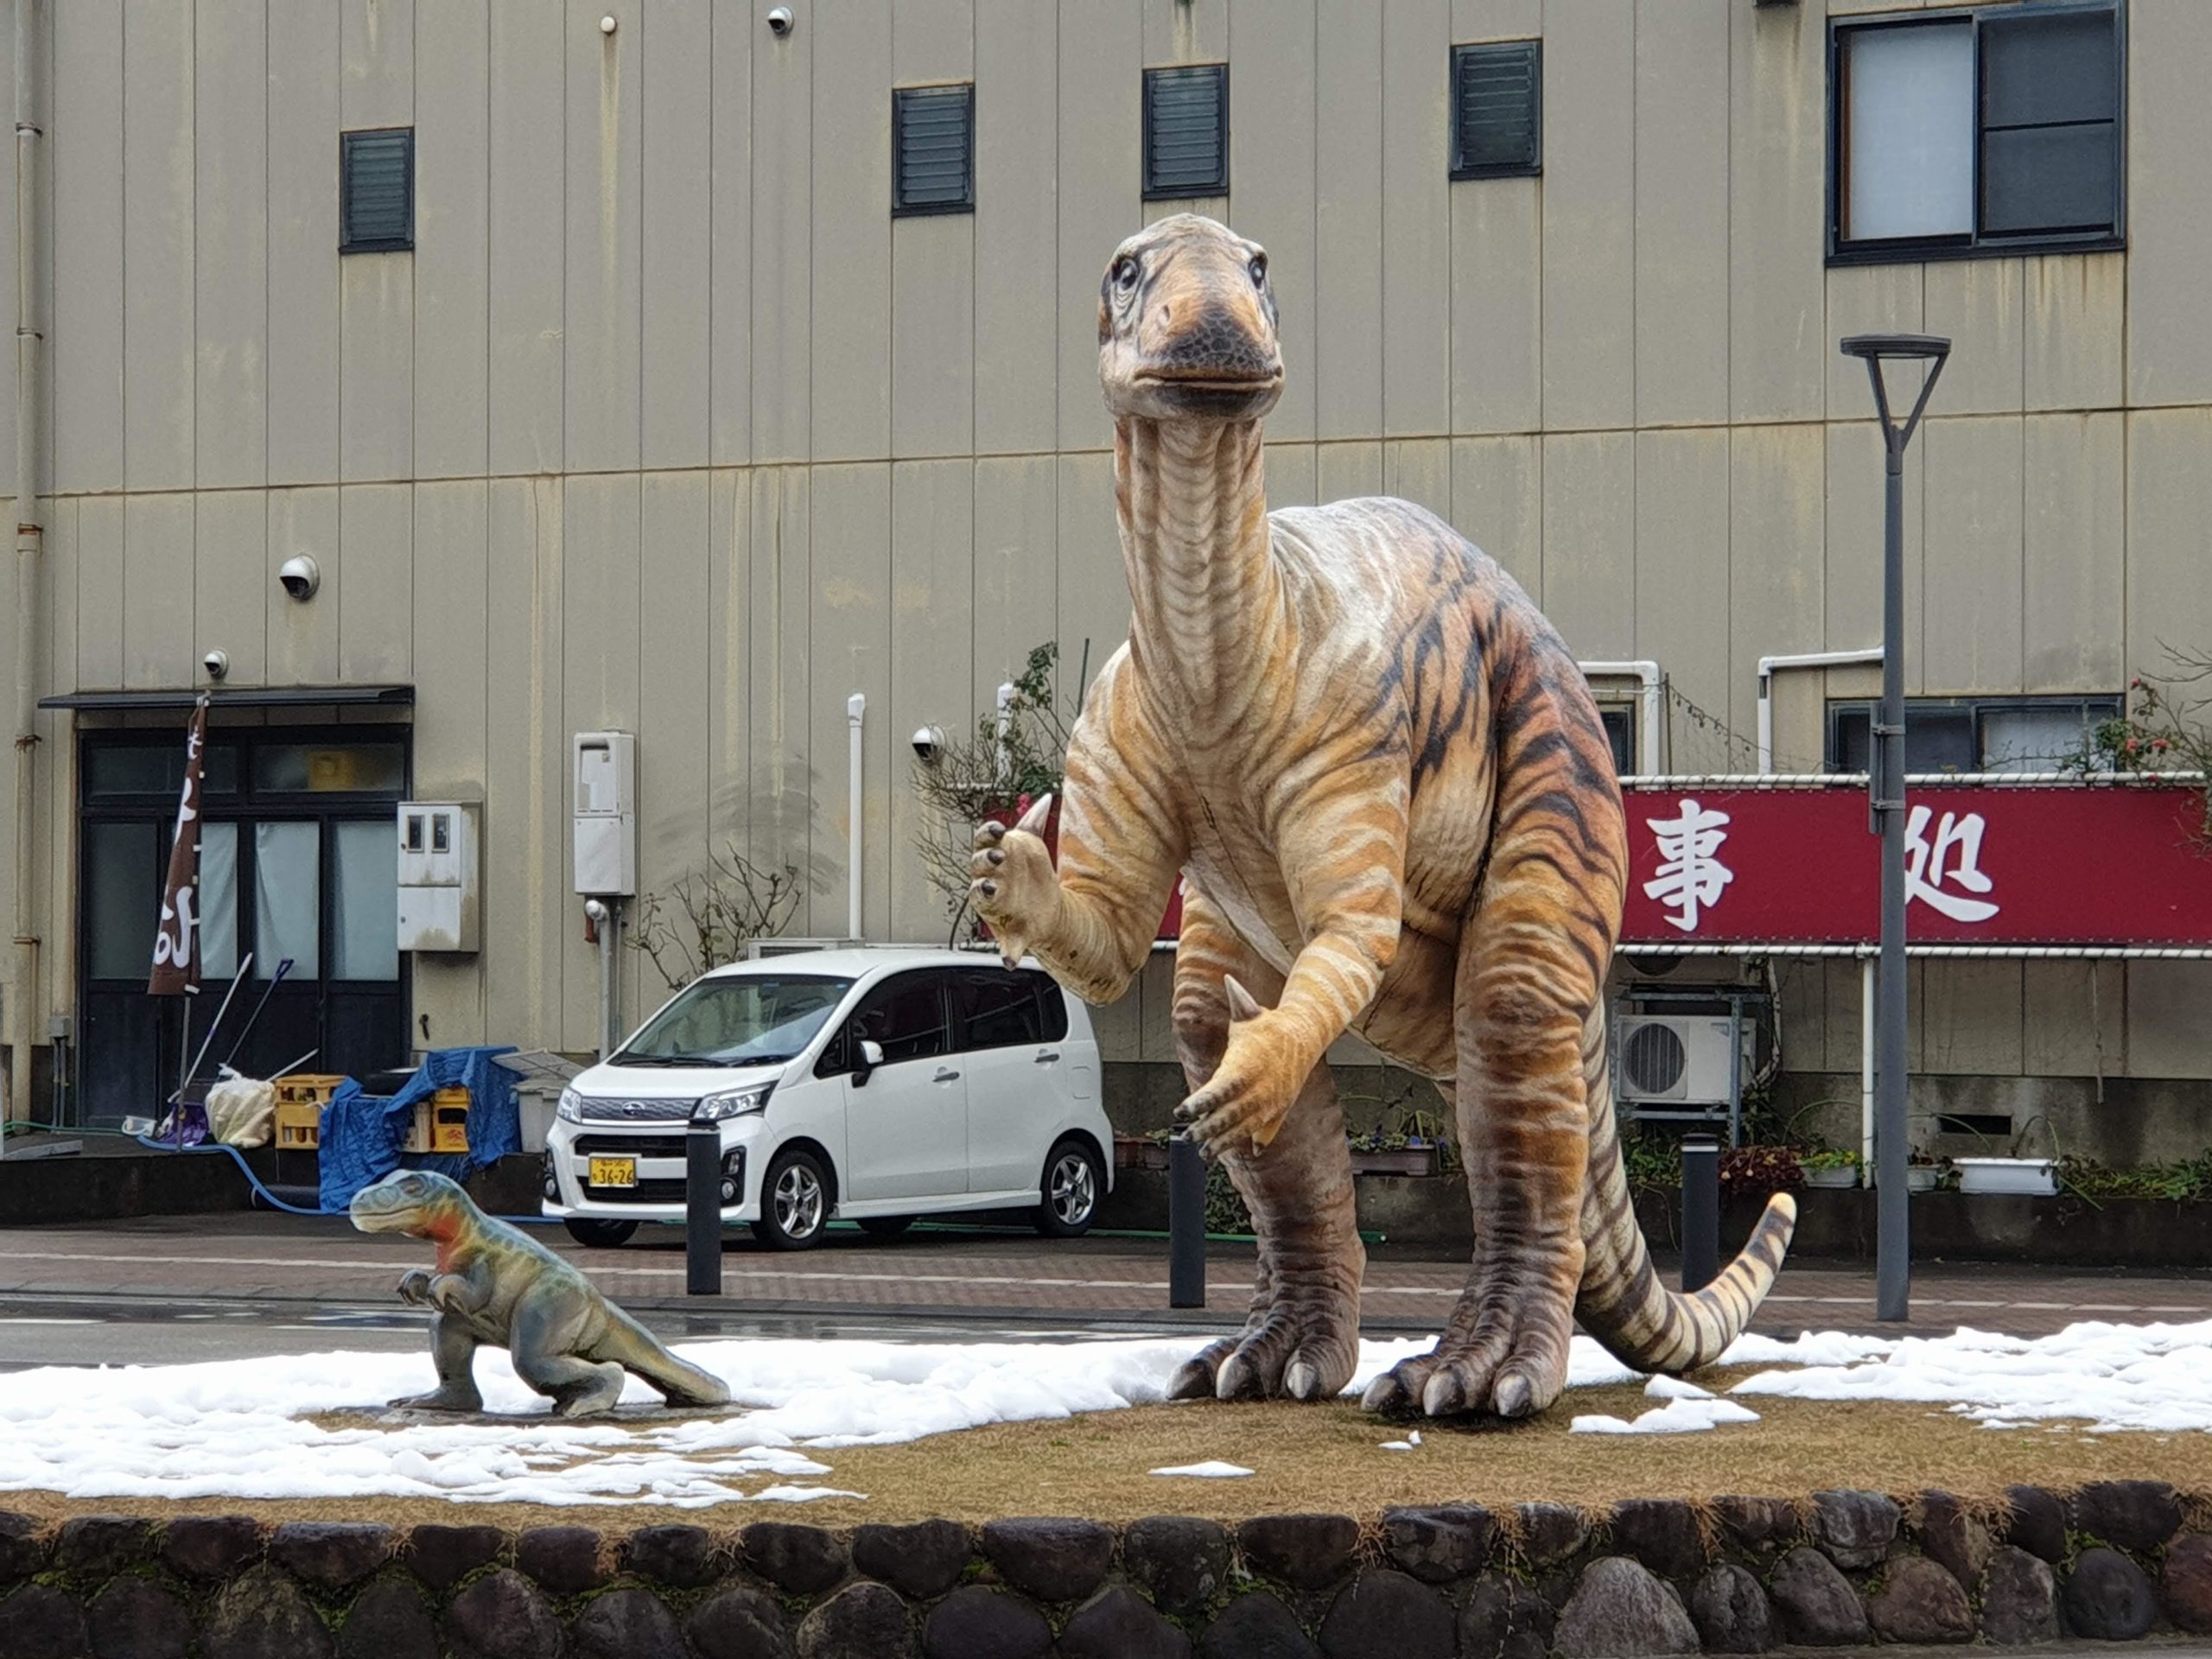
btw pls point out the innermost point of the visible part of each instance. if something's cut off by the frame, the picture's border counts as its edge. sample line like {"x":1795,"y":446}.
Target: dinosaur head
{"x":417,"y":1201}
{"x":1186,"y":325}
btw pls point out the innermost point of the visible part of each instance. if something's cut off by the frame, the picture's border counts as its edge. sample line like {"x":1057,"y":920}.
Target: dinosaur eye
{"x":1259,"y":269}
{"x":1125,"y":273}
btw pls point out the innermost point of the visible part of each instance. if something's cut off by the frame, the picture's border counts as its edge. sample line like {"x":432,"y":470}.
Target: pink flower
{"x":2129,"y":745}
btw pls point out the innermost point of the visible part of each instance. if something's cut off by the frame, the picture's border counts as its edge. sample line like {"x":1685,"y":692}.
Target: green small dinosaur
{"x":496,"y":1285}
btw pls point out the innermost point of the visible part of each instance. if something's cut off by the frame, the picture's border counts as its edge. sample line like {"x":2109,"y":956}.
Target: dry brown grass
{"x":1330,"y":1457}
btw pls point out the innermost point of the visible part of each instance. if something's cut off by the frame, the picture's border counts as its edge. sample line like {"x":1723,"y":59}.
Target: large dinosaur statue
{"x":1391,"y":799}
{"x":495,"y":1284}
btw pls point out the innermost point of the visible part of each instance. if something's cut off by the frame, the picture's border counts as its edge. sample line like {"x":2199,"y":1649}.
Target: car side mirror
{"x":871,"y":1057}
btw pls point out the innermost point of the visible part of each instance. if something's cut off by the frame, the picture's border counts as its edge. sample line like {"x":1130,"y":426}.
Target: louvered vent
{"x":933,"y":150}
{"x":376,"y":174}
{"x":1497,"y":109}
{"x":1653,"y":1059}
{"x":1186,"y":131}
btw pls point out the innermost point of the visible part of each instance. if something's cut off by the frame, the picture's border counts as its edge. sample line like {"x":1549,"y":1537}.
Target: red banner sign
{"x":1998,"y":866}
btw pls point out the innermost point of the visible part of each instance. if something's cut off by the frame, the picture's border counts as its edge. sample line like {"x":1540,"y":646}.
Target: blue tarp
{"x":362,"y":1133}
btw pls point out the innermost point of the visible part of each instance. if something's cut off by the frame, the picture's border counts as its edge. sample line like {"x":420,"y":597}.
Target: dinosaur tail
{"x":1622,"y":1303}
{"x":639,"y":1351}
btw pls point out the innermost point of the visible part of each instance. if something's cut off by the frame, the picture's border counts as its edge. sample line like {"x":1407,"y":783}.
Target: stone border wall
{"x":2113,"y":1560}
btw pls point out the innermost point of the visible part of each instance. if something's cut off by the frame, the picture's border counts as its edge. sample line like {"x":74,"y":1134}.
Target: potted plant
{"x":2037,"y":1177}
{"x":1830,"y":1167}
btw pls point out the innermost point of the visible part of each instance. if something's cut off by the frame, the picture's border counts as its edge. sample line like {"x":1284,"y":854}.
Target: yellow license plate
{"x":614,"y":1172}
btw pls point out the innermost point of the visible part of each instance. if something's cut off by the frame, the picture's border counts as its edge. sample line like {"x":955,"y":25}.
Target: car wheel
{"x":1071,"y":1185}
{"x":794,"y":1202}
{"x":885,"y":1226}
{"x":600,"y":1235}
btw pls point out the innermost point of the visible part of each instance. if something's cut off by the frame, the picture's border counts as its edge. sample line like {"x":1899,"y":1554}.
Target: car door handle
{"x":1048,"y":1056}
{"x":945,"y":1074}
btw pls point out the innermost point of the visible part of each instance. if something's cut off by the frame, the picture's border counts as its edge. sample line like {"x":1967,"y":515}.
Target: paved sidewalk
{"x":990,"y":1277}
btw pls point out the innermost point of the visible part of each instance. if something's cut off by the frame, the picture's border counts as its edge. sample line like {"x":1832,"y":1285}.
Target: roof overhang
{"x":244,"y":696}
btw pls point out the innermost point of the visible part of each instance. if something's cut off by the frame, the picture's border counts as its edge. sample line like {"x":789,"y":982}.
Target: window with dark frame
{"x":1620,"y":733}
{"x":1975,"y":734}
{"x":376,"y":191}
{"x":932,"y":150}
{"x":1497,"y":109}
{"x":1965,"y":133}
{"x":1186,"y":131}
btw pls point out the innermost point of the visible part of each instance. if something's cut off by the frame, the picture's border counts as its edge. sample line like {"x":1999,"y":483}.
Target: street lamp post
{"x":1886,"y":789}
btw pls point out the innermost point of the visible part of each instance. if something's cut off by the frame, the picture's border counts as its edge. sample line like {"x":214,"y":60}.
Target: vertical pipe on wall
{"x":29,"y":537}
{"x":1867,"y":994}
{"x":855,"y":714}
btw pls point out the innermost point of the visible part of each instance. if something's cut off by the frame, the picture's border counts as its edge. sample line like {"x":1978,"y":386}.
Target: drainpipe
{"x":1867,"y":1023}
{"x":855,"y":714}
{"x":1802,"y":659}
{"x":1005,"y":721}
{"x":1648,"y":755}
{"x":29,"y":534}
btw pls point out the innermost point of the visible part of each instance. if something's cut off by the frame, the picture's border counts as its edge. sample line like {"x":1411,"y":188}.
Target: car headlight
{"x":571,"y":1109}
{"x":732,"y":1103}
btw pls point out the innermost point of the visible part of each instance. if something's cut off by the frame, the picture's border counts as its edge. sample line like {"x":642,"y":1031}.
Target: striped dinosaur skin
{"x":495,"y":1284}
{"x":1392,"y":801}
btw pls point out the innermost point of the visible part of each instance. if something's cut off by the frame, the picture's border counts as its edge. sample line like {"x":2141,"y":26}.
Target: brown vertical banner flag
{"x":177,"y":946}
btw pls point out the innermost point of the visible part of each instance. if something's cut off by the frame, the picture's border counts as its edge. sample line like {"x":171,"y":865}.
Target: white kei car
{"x":875,"y":1084}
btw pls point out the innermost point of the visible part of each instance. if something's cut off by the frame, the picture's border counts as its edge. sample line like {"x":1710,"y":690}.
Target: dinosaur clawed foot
{"x":1505,"y":1361}
{"x":447,"y":1397}
{"x":1304,"y":1350}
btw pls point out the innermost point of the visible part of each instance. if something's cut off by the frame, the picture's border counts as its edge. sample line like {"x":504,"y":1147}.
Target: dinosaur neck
{"x":442,"y":1227}
{"x":1191,"y":498}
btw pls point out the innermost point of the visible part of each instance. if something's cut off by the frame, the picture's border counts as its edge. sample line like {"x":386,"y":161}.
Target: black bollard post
{"x":1700,"y":1211}
{"x":1186,"y":1224}
{"x":703,"y":1211}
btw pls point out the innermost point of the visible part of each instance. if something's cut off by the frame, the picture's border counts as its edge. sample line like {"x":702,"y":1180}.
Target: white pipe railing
{"x":1769,"y":665}
{"x":855,"y":715}
{"x":1653,"y":698}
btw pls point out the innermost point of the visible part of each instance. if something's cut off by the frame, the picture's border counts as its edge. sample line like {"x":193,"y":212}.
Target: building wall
{"x":667,"y":425}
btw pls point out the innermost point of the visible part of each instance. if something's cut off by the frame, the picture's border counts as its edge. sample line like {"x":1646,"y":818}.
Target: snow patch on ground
{"x":1214,"y":1469}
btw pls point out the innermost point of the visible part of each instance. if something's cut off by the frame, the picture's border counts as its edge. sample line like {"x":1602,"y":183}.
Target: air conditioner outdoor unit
{"x":756,"y":949}
{"x":1671,"y":1058}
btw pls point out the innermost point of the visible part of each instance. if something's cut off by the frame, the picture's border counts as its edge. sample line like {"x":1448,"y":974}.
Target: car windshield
{"x":748,"y":1021}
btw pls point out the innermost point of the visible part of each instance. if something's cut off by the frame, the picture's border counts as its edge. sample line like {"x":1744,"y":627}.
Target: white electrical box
{"x":605,"y":785}
{"x":1675,"y":1060}
{"x":438,"y":902}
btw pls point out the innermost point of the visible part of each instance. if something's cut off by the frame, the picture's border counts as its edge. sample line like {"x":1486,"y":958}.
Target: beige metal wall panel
{"x":1874,"y":300}
{"x":603,"y":310}
{"x":529,"y":123}
{"x":103,"y":599}
{"x":452,"y":239}
{"x":2169,"y":232}
{"x":2169,"y":537}
{"x":1100,"y":105}
{"x":933,"y":652}
{"x":157,"y":248}
{"x":1416,"y":217}
{"x":1116,"y":1025}
{"x":781,"y":790}
{"x":2073,"y":1019}
{"x":1497,"y":381}
{"x":729,"y":516}
{"x":85,"y":350}
{"x":851,"y":230}
{"x":677,"y":226}
{"x":1291,"y":478}
{"x":1420,"y":470}
{"x":302,"y":639}
{"x":1271,"y":166}
{"x":1680,"y":582}
{"x":1018,"y":288}
{"x":376,"y":366}
{"x":850,"y":650}
{"x":1496,"y":20}
{"x":1590,"y":541}
{"x":783,"y":195}
{"x":374,"y":583}
{"x":377,"y":44}
{"x":1155,"y":987}
{"x":1348,"y":222}
{"x":157,"y":584}
{"x":1016,"y":603}
{"x":451,"y":621}
{"x":1681,"y":324}
{"x":933,"y":267}
{"x":1972,"y":1013}
{"x":1775,"y":556}
{"x":529,"y":912}
{"x":1854,"y":540}
{"x":2074,"y":529}
{"x":1498,"y":502}
{"x":229,"y":568}
{"x":1344,"y":472}
{"x":230,"y":250}
{"x":730,"y":185}
{"x":303,"y":293}
{"x":1977,"y":305}
{"x":56,"y":763}
{"x":1175,"y":31}
{"x":676,"y":676}
{"x":1777,"y":196}
{"x":1093,"y":584}
{"x":1590,"y":181}
{"x":1844,"y":987}
{"x":1971,"y":575}
{"x":1801,"y":986}
{"x":2074,"y":331}
{"x":2165,"y":1019}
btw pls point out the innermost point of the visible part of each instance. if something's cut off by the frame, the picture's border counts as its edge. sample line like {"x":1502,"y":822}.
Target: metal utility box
{"x":604,"y":774}
{"x":438,"y":900}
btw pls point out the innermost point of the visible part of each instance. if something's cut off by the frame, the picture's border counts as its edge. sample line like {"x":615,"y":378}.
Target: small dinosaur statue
{"x":496,"y":1285}
{"x":1388,"y":794}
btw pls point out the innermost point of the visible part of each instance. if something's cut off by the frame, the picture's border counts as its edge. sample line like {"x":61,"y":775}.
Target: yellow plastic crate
{"x":300,"y":1100}
{"x":441,"y":1122}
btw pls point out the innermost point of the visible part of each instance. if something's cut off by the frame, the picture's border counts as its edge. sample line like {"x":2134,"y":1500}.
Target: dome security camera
{"x":780,"y":20}
{"x":299,"y":576}
{"x":927,"y":742}
{"x":217,"y":663}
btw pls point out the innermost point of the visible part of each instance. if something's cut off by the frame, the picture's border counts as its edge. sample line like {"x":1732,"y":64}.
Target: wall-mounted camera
{"x":928,"y":742}
{"x":217,"y":663}
{"x":780,"y":20}
{"x":299,"y":576}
